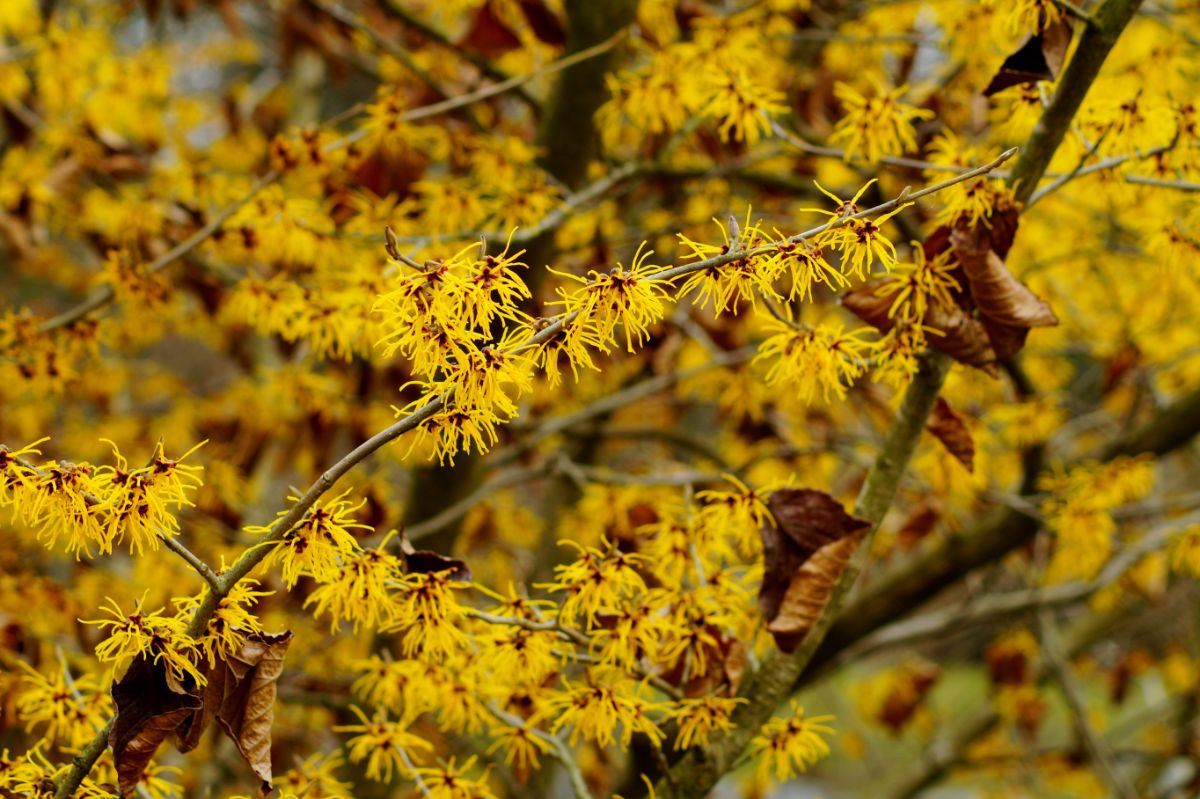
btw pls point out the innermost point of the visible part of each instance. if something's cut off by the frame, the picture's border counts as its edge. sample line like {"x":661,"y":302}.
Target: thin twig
{"x":106,"y":295}
{"x":170,"y":542}
{"x":836,"y":152}
{"x":412,"y":769}
{"x":561,"y":752}
{"x":1006,"y":606}
{"x":142,"y":790}
{"x":567,"y":633}
{"x":357,"y":23}
{"x":619,"y":399}
{"x":203,"y":569}
{"x":456,"y":511}
{"x":1178,"y":185}
{"x":396,"y":10}
{"x":1097,"y":747}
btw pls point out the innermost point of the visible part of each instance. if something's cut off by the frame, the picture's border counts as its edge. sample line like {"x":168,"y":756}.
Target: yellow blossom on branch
{"x":824,"y":358}
{"x":152,"y":636}
{"x":787,"y":746}
{"x":625,"y":296}
{"x":387,"y":746}
{"x":877,"y":124}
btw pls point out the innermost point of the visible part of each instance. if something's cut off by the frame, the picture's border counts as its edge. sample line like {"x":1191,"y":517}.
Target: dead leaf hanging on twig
{"x":1040,"y":57}
{"x":803,"y":557}
{"x":148,"y":712}
{"x":949,"y":428}
{"x":248,"y":706}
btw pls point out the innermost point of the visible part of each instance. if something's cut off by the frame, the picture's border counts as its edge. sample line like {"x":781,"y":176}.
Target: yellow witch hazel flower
{"x":316,"y":546}
{"x":737,"y":514}
{"x":607,"y":702}
{"x":393,"y":685}
{"x":387,"y":746}
{"x":729,"y":285}
{"x":575,"y":342}
{"x":138,"y":502}
{"x":788,"y":746}
{"x":492,"y":288}
{"x":63,"y":503}
{"x":454,"y":430}
{"x":509,"y":649}
{"x":66,"y":712}
{"x":150,"y":635}
{"x":920,"y":285}
{"x":521,"y":744}
{"x":628,"y":634}
{"x":861,"y":241}
{"x":598,"y":580}
{"x":974,"y":200}
{"x":1078,"y":512}
{"x":1185,"y":551}
{"x":876,"y":125}
{"x":449,"y":781}
{"x":1027,"y":16}
{"x":805,"y":262}
{"x":424,"y":316}
{"x":360,"y":592}
{"x":742,"y":106}
{"x":15,"y":478}
{"x":700,"y":717}
{"x":626,"y":296}
{"x":428,"y":613}
{"x":483,"y":376}
{"x":230,"y":622}
{"x":824,"y":358}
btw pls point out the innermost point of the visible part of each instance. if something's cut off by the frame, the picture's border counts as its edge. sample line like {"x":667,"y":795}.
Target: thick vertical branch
{"x":1097,"y":41}
{"x":697,"y":772}
{"x":568,"y":132}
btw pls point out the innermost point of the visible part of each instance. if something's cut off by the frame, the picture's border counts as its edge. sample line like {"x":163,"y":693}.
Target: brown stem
{"x":1098,"y":39}
{"x":766,"y":689}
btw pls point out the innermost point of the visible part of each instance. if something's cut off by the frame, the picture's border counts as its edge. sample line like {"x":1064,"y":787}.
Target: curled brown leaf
{"x":804,"y":555}
{"x":949,"y":428}
{"x":1040,"y":57}
{"x":998,"y":294}
{"x":148,"y":712}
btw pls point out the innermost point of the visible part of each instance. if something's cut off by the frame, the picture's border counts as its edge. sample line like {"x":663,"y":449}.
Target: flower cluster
{"x":1078,"y":511}
{"x":97,"y":506}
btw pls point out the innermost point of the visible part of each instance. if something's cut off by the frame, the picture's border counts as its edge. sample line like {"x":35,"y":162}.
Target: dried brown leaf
{"x":958,"y":334}
{"x":424,"y":561}
{"x":998,"y":294}
{"x":1056,"y":40}
{"x":804,"y":554}
{"x":546,"y":26}
{"x":906,"y":695}
{"x":488,"y":35}
{"x":1006,"y":340}
{"x":919,"y":523}
{"x":949,"y":428}
{"x":1040,"y":57}
{"x":963,"y":337}
{"x":865,"y":303}
{"x":240,"y":694}
{"x":1001,"y":229}
{"x":148,"y":711}
{"x":248,"y":706}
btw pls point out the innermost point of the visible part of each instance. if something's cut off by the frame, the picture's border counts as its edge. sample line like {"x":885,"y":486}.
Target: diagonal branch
{"x":106,"y":295}
{"x":766,"y":689}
